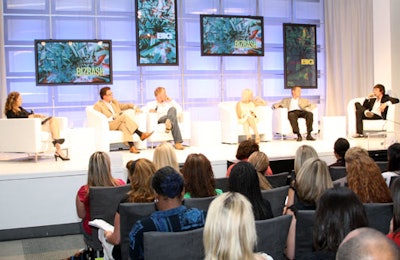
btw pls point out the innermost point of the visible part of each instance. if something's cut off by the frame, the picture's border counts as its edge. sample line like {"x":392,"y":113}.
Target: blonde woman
{"x":245,"y":111}
{"x":230,"y":231}
{"x":303,"y":153}
{"x":312,"y":180}
{"x":260,"y":161}
{"x":164,"y":155}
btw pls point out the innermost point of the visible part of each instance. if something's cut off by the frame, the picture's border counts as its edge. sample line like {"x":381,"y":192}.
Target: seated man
{"x":117,"y":120}
{"x":167,"y":111}
{"x":298,"y":107}
{"x":375,"y":106}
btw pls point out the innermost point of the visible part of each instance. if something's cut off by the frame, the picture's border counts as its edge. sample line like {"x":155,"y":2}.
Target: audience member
{"x":393,"y":168}
{"x":141,"y":173}
{"x":199,"y":177}
{"x":165,"y":155}
{"x":339,"y":149}
{"x":339,"y":211}
{"x":298,"y":108}
{"x":245,"y":111}
{"x":367,"y":244}
{"x":167,"y":112}
{"x":394,"y":233}
{"x":260,"y":161}
{"x":311,"y":181}
{"x":117,"y":119}
{"x":244,"y":179}
{"x":171,"y":216}
{"x":375,"y":106}
{"x":244,"y":150}
{"x":303,"y":153}
{"x":13,"y":109}
{"x":99,"y":175}
{"x":364,"y":177}
{"x":230,"y":230}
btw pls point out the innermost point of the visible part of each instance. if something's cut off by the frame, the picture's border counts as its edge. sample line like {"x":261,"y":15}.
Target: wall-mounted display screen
{"x":70,"y":62}
{"x":232,"y":35}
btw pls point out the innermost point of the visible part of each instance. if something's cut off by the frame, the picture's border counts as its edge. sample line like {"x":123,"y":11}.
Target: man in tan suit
{"x":298,"y":107}
{"x":117,"y":120}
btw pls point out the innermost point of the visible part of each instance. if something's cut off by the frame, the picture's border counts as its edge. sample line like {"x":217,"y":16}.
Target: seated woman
{"x":99,"y":175}
{"x":230,"y":230}
{"x":339,"y":211}
{"x":311,"y":181}
{"x":140,"y":173}
{"x":244,"y":179}
{"x":165,"y":155}
{"x":199,"y":177}
{"x":260,"y":161}
{"x":171,"y":216}
{"x":13,"y":109}
{"x":364,"y":177}
{"x":394,"y":232}
{"x":245,"y":111}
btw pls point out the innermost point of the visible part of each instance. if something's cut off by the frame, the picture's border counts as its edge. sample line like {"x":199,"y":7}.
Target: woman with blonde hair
{"x":13,"y":109}
{"x":364,"y":177}
{"x":99,"y":175}
{"x":245,"y":111}
{"x":303,"y":153}
{"x":230,"y":231}
{"x":260,"y":161}
{"x":165,"y":155}
{"x":311,"y":181}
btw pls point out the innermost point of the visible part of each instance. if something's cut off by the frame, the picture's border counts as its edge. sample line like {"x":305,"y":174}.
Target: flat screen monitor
{"x":232,"y":35}
{"x":70,"y":62}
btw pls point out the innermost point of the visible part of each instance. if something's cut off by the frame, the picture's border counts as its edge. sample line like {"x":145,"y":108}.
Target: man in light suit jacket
{"x":298,"y":107}
{"x":375,"y":106}
{"x":117,"y":120}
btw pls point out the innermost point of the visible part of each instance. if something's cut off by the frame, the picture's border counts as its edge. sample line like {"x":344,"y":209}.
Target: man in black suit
{"x":375,"y":106}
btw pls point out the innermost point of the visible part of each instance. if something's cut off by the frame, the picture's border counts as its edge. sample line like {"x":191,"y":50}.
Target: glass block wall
{"x":199,"y":83}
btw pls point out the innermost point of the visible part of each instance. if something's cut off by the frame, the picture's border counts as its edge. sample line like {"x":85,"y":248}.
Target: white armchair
{"x":378,"y":125}
{"x":231,"y":129}
{"x":104,"y":136}
{"x":281,"y":124}
{"x":25,"y":135}
{"x":159,"y":134}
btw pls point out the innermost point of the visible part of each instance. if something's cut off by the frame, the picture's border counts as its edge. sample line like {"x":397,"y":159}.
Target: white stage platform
{"x":35,"y":194}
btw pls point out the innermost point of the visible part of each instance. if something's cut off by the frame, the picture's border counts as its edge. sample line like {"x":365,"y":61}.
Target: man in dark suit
{"x":374,"y":107}
{"x":298,"y":107}
{"x":117,"y":119}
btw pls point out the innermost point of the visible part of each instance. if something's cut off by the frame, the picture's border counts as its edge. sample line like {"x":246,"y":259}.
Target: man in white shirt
{"x":375,"y":106}
{"x":117,"y":120}
{"x":167,"y":111}
{"x":298,"y":108}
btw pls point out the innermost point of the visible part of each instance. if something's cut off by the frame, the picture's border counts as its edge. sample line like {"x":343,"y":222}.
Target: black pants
{"x":360,"y":116}
{"x":296,"y":114}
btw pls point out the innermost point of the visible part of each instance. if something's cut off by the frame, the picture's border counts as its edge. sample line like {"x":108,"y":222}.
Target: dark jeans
{"x":176,"y":132}
{"x":360,"y":116}
{"x":296,"y":114}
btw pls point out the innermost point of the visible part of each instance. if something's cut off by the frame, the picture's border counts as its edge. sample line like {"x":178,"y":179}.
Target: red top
{"x":395,"y":237}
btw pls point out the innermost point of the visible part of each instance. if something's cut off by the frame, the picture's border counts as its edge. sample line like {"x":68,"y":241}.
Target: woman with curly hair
{"x":199,"y":177}
{"x":364,"y":177}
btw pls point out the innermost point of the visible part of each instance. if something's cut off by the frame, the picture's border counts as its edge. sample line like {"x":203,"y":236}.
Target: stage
{"x":42,"y":194}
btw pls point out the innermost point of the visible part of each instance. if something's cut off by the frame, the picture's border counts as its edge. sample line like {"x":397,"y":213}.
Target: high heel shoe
{"x":58,"y":141}
{"x":57,"y":155}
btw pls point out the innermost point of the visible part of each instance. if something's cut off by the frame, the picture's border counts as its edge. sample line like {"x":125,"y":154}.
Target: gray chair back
{"x":130,"y":213}
{"x":199,"y":203}
{"x":272,"y":235}
{"x":104,"y":202}
{"x":337,"y":172}
{"x":276,"y":198}
{"x":222,"y":184}
{"x":278,"y":180}
{"x":379,"y":215}
{"x":174,"y":245}
{"x":304,"y":232}
{"x":382,"y":165}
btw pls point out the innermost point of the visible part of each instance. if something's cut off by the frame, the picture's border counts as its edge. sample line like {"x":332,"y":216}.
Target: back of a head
{"x":164,"y":155}
{"x":339,"y":211}
{"x":99,"y":170}
{"x":141,"y":173}
{"x":229,"y":232}
{"x":341,"y":146}
{"x":303,"y":153}
{"x":260,"y":161}
{"x":167,"y":182}
{"x":367,"y":244}
{"x":395,"y":189}
{"x":246,"y":148}
{"x":312,"y":180}
{"x":394,"y":157}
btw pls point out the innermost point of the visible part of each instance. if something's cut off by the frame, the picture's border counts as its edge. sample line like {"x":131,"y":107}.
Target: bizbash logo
{"x":164,"y":36}
{"x":307,"y":61}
